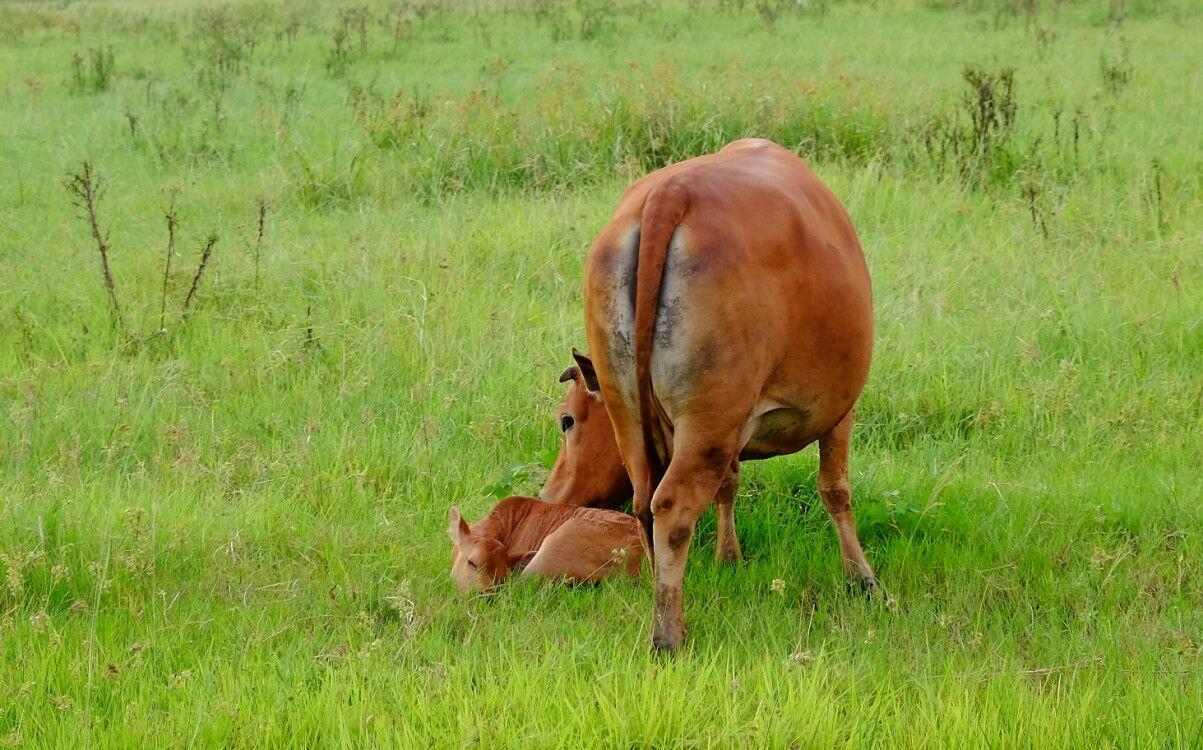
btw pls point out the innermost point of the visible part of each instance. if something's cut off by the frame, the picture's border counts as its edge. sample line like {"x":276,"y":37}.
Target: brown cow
{"x":550,"y":540}
{"x":729,"y":315}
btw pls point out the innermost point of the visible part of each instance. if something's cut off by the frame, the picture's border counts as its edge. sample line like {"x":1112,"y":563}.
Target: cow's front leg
{"x":688,"y":488}
{"x":727,"y":548}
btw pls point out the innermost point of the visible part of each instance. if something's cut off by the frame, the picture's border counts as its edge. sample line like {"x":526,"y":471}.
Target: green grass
{"x":232,"y":531}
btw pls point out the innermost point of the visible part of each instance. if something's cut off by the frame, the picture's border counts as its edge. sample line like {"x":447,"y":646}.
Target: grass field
{"x":223,"y":495}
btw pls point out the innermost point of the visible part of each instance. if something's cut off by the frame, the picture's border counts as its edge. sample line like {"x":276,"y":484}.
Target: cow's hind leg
{"x":836,"y":491}
{"x":727,"y":549}
{"x":693,"y":478}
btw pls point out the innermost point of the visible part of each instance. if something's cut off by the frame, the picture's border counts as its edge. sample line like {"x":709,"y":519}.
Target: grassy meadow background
{"x":222,"y":519}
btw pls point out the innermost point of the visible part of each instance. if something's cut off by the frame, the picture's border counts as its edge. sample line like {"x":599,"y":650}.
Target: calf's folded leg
{"x":585,"y":550}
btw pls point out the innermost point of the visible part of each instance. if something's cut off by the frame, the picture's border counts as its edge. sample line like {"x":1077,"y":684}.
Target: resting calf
{"x":550,"y":540}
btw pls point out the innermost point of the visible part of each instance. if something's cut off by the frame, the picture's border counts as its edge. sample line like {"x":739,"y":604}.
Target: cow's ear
{"x":587,"y":372}
{"x":571,"y":373}
{"x":458,"y":530}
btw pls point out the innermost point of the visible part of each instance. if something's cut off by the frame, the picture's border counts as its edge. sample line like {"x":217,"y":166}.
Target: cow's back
{"x":765,"y":296}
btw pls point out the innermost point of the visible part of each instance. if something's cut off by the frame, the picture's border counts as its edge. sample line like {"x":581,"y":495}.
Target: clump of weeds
{"x":85,"y":188}
{"x":93,"y":70}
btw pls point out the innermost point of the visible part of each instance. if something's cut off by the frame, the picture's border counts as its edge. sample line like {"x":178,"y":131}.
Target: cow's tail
{"x":663,"y":210}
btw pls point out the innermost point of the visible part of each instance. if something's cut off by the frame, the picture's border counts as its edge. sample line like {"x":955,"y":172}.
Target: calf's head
{"x":589,"y":468}
{"x":478,"y":563}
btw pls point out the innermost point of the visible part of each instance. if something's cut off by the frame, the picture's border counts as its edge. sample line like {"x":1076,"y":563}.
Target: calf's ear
{"x":458,"y":530}
{"x":587,"y":372}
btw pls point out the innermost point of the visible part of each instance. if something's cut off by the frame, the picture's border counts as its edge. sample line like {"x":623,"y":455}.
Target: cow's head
{"x":477,"y":563}
{"x":589,"y":468}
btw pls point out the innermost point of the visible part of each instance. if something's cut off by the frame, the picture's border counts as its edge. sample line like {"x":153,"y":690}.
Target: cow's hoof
{"x":728,"y":557}
{"x":667,"y":643}
{"x":664,"y":648}
{"x":871,"y":591}
{"x":865,"y":586}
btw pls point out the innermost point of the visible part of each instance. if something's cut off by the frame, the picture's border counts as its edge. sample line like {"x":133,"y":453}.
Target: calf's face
{"x":589,"y":468}
{"x":477,"y":563}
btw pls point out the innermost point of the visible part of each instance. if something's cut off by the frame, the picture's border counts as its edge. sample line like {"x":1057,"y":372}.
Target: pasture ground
{"x":227,"y":527}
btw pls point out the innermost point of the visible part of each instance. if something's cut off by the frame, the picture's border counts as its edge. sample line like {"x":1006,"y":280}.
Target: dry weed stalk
{"x":200,"y":271}
{"x":170,"y":216}
{"x":85,"y":187}
{"x":259,"y":240}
